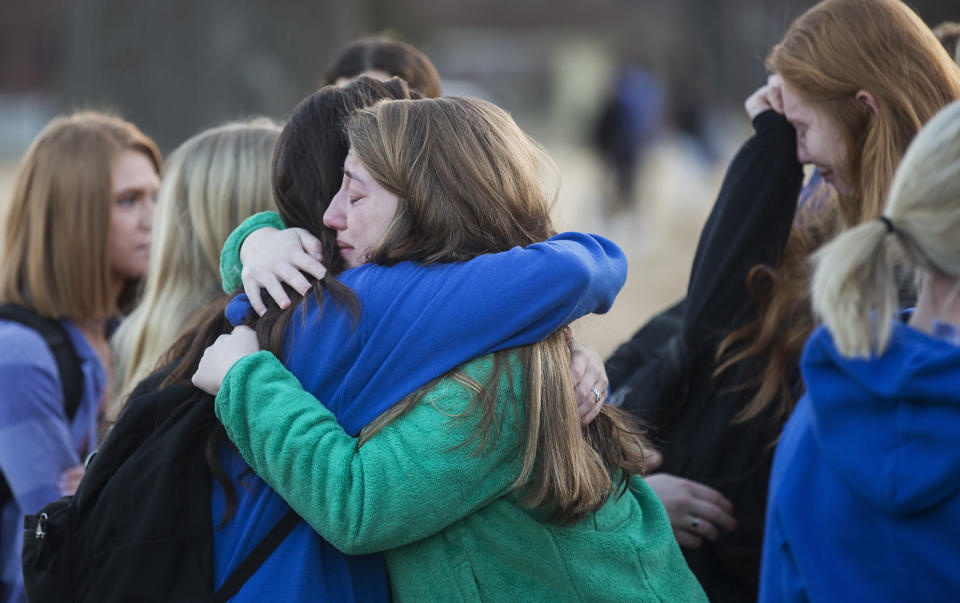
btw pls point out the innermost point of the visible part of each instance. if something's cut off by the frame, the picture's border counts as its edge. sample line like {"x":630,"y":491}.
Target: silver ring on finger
{"x":694,"y":523}
{"x":596,"y":393}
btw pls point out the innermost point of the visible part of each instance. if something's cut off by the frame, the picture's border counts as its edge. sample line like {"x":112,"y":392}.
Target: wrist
{"x":253,"y":237}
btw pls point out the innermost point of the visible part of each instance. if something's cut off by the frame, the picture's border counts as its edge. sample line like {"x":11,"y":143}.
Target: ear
{"x":869,"y":102}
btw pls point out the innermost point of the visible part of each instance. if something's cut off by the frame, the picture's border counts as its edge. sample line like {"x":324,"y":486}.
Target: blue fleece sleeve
{"x":518,"y":297}
{"x":492,"y":302}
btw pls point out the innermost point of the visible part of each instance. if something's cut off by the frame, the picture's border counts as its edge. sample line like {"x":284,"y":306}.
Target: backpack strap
{"x":257,"y":556}
{"x":58,"y":340}
{"x":68,"y":364}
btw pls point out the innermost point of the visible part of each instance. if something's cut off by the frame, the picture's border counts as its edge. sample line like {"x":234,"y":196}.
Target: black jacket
{"x":668,"y":366}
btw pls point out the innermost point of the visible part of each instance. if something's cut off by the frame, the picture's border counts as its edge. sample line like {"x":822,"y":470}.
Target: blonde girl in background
{"x":213,"y":182}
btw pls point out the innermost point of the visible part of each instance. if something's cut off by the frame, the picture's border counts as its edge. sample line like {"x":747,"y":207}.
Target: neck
{"x":94,"y":329}
{"x":939,"y":299}
{"x":116,"y":287}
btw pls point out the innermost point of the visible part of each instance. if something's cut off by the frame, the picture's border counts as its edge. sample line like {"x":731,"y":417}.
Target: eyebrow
{"x":133,"y":190}
{"x":353,"y":179}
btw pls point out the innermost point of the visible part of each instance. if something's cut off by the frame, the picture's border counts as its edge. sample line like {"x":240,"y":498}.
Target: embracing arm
{"x":501,"y":300}
{"x":408,"y":481}
{"x":749,"y":225}
{"x":583,"y":272}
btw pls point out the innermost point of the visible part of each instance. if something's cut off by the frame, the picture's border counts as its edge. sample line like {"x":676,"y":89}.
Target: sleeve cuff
{"x":230,"y":265}
{"x":774,"y":129}
{"x":234,"y":382}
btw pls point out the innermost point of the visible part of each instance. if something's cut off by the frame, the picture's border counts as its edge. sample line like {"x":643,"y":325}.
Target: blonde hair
{"x":468,"y":183}
{"x":854,"y":291}
{"x":57,"y":225}
{"x":213,"y":182}
{"x":834,"y":50}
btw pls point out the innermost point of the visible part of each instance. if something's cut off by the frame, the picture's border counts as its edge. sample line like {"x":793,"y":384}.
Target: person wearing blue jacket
{"x":865,"y":490}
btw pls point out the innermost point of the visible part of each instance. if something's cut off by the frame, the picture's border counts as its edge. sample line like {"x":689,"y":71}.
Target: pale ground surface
{"x":659,"y":234}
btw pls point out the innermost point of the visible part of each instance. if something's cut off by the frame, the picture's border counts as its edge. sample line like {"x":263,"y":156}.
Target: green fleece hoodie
{"x":443,"y":511}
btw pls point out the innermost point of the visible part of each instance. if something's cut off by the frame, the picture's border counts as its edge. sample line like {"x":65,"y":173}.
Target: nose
{"x":147,"y":209}
{"x":335,"y":217}
{"x":802,"y":155}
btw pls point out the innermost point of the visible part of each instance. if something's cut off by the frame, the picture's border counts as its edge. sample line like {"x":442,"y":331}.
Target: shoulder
{"x":22,"y":346}
{"x":455,"y":395}
{"x":28,"y":373}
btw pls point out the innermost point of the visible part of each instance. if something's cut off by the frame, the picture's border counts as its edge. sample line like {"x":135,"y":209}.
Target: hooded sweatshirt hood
{"x":888,"y":426}
{"x":865,"y":488}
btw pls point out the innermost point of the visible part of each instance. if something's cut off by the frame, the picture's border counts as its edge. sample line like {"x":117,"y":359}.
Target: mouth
{"x":343,"y":246}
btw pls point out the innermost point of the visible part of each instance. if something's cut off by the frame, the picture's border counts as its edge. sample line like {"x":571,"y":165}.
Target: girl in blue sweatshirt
{"x":865,"y":491}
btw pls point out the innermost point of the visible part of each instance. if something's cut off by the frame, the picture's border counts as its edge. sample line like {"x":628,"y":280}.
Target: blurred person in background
{"x":76,"y":243}
{"x":865,"y":488}
{"x":854,"y":81}
{"x":213,"y":182}
{"x":948,"y":33}
{"x":381,"y":58}
{"x":628,"y":123}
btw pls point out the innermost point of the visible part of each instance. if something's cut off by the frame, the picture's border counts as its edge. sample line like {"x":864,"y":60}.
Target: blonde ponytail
{"x":853,"y":288}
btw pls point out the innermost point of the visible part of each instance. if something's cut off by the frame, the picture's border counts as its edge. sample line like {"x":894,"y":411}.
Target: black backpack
{"x":68,"y":365}
{"x":650,"y":374}
{"x":139,"y":527}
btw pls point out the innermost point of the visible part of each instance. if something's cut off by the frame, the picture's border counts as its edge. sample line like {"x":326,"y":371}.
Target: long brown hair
{"x":57,"y":225}
{"x":828,"y":54}
{"x":467,"y":180}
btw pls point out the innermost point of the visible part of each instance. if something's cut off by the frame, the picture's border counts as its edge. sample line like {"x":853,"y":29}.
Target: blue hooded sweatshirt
{"x":863,"y":502}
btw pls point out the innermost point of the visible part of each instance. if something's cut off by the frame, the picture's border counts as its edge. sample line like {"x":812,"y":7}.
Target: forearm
{"x":521,"y":296}
{"x":749,"y":225}
{"x":407,"y":482}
